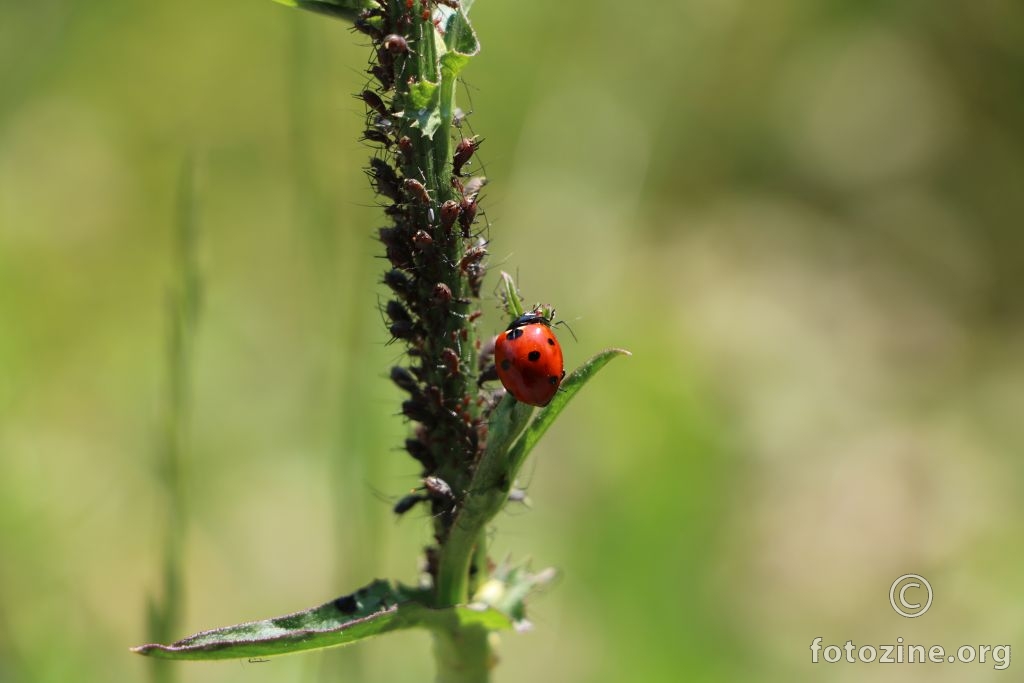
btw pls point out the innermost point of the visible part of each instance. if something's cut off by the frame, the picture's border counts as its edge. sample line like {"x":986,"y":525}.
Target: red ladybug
{"x":528,"y":359}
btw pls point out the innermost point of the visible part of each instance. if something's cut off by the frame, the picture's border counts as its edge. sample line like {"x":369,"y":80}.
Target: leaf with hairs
{"x":570,"y":386}
{"x":375,"y":609}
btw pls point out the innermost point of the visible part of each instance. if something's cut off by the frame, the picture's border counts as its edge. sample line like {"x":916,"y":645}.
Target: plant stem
{"x":488,"y":493}
{"x":463,"y":655}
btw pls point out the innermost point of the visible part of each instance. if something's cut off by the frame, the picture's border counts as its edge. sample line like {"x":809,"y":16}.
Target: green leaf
{"x":458,"y":33}
{"x":510,"y":295}
{"x":458,"y":45}
{"x":506,"y":423}
{"x":433,"y":96}
{"x":375,"y":609}
{"x":424,"y":100}
{"x":546,"y":416}
{"x":342,"y":9}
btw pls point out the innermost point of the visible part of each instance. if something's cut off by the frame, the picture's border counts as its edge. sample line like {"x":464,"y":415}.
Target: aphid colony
{"x":437,"y":263}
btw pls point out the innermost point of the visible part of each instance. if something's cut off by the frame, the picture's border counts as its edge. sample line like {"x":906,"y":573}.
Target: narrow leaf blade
{"x":510,"y":296}
{"x":378,"y":608}
{"x":342,"y":9}
{"x":569,"y":388}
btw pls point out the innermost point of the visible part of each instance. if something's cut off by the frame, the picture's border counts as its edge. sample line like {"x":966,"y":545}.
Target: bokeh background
{"x":804,"y":217}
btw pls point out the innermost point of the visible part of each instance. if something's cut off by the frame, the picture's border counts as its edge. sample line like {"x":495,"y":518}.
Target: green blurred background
{"x":804,"y":217}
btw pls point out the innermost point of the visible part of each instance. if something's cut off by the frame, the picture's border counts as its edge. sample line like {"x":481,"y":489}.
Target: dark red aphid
{"x":528,"y":359}
{"x":473,"y":256}
{"x":442,"y":293}
{"x":405,"y":146}
{"x":416,"y":189}
{"x":463,"y":152}
{"x":467,"y":214}
{"x":422,"y":240}
{"x":449,"y":213}
{"x":395,"y":44}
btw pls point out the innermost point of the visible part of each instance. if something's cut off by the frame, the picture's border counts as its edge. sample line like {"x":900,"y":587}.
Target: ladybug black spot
{"x":506,"y":364}
{"x":346,"y":604}
{"x":551,"y":342}
{"x":514,"y":334}
{"x":534,"y":356}
{"x":552,"y":380}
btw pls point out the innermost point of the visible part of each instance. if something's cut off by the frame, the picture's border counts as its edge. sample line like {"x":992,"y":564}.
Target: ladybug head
{"x":536,"y":316}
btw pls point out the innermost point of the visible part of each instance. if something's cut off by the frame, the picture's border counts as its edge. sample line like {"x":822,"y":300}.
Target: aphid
{"x":473,"y":256}
{"x":416,"y":189}
{"x":397,"y":249}
{"x":384,"y":74}
{"x":374,"y":102}
{"x":378,"y":136}
{"x":397,"y":312}
{"x":395,"y":44}
{"x":473,"y":186}
{"x":467,"y":214}
{"x":458,"y":117}
{"x":419,"y":451}
{"x":384,"y":179}
{"x":463,"y":152}
{"x":528,"y":359}
{"x":438,"y":487}
{"x":405,"y":147}
{"x":416,"y":410}
{"x":449,"y":214}
{"x":422,"y":240}
{"x":363,"y":26}
{"x":403,"y":329}
{"x":442,"y":293}
{"x":404,"y":380}
{"x":399,"y":282}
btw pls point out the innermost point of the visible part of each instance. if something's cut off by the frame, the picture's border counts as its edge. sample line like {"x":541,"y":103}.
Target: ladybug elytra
{"x":528,"y":359}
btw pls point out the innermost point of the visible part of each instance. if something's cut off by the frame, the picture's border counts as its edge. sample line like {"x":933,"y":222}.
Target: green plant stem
{"x":463,"y":655}
{"x":487,"y":494}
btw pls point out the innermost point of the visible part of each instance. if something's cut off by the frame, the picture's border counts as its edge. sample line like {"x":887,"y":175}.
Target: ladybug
{"x":528,"y":359}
